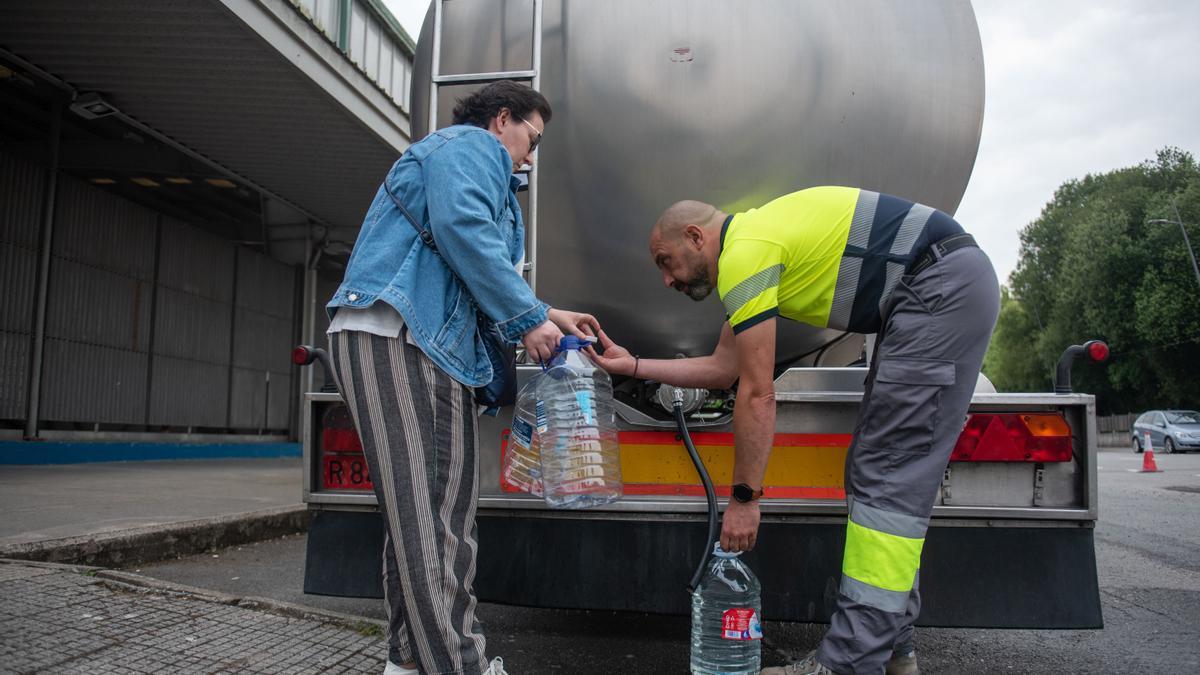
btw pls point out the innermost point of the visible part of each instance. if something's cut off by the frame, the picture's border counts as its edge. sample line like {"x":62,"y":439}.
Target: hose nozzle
{"x":670,"y":397}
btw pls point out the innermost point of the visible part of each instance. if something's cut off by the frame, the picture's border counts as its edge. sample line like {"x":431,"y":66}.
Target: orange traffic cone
{"x":1148,"y":465}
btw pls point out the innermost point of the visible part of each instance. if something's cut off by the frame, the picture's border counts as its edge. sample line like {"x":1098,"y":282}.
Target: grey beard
{"x":699,"y":290}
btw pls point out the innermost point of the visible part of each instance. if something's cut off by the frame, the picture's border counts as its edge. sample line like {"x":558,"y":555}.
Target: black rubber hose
{"x":709,"y":492}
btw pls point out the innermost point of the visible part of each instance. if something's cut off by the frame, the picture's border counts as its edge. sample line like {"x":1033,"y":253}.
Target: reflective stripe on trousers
{"x":883,"y":553}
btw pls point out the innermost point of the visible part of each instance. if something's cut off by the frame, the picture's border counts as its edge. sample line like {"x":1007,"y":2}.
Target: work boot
{"x":806,"y":666}
{"x":903,"y":664}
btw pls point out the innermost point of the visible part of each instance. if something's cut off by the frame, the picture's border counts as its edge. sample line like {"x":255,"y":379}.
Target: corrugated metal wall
{"x":97,"y":314}
{"x":22,"y":188}
{"x":261,"y":396}
{"x":192,"y":328}
{"x":366,"y":40}
{"x":204,"y":345}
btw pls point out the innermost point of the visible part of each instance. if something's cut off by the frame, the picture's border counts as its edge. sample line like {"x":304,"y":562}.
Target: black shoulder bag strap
{"x":425,"y":235}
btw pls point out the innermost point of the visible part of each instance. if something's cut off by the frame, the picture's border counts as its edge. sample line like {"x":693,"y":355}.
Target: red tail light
{"x":1014,"y":437}
{"x":301,"y":356}
{"x":1097,"y":351}
{"x":341,"y":440}
{"x":343,"y":466}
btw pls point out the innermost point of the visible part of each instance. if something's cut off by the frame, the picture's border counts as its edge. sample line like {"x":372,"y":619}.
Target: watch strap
{"x":744,"y":494}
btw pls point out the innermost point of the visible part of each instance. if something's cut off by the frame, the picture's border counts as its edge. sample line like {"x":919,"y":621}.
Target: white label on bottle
{"x":541,"y":417}
{"x":522,"y":433}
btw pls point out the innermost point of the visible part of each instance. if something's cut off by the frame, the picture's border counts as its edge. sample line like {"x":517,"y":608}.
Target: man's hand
{"x":615,"y":359}
{"x":575,"y":323}
{"x":541,"y":342}
{"x":739,"y":527}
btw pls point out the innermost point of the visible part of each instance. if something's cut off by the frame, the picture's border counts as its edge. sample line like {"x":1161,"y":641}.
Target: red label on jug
{"x":740,"y":623}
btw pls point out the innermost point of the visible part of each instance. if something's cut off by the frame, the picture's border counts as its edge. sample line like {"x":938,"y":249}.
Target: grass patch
{"x":369,"y":629}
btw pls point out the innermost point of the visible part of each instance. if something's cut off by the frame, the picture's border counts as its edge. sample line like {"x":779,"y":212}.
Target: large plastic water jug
{"x":581,"y":456}
{"x":522,"y":466}
{"x":726,"y":618}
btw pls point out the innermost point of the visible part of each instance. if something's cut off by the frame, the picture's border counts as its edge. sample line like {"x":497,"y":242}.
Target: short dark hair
{"x":480,"y":108}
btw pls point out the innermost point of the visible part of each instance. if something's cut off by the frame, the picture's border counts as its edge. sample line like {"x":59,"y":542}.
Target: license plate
{"x":346,"y":472}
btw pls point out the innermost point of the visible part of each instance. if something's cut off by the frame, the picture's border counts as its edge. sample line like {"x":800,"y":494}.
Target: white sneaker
{"x":393,"y":669}
{"x":496,"y":667}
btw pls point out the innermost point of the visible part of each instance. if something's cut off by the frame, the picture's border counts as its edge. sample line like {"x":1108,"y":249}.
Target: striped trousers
{"x":418,"y":432}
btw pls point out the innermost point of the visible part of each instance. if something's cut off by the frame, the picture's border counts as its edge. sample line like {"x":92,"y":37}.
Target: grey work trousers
{"x":936,"y":329}
{"x":418,"y":432}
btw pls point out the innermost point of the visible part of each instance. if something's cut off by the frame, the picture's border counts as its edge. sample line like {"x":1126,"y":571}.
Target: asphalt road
{"x":1148,"y":558}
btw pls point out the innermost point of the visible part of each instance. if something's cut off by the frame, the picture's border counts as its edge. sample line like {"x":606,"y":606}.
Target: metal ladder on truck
{"x":533,"y":76}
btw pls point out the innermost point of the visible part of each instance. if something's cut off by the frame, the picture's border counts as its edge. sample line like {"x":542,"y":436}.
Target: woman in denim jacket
{"x":407,"y":354}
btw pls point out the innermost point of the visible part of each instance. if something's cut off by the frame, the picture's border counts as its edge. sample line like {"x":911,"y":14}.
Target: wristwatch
{"x":744,"y":494}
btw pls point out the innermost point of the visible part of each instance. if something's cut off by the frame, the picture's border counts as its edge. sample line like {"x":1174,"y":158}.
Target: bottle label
{"x":522,"y":433}
{"x":740,"y":623}
{"x":584,"y":399}
{"x":541,"y":417}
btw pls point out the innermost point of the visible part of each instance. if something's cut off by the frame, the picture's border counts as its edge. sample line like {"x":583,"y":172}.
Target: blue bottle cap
{"x":569,"y":342}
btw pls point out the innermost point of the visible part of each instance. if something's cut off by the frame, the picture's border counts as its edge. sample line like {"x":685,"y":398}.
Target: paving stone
{"x":63,"y":621}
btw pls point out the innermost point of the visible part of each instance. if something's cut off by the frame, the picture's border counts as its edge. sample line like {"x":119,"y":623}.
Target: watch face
{"x":743,"y":493}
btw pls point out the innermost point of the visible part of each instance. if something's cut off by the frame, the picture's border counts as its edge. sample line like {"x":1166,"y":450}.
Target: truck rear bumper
{"x":985,"y":576}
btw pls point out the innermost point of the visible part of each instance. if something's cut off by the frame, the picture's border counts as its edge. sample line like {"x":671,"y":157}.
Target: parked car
{"x":1170,"y":430}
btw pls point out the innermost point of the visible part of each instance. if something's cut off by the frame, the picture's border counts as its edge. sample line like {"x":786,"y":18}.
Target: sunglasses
{"x":536,"y":139}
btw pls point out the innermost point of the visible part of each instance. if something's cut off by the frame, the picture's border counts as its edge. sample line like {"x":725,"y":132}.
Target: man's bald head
{"x":685,"y":243}
{"x":670,"y":225}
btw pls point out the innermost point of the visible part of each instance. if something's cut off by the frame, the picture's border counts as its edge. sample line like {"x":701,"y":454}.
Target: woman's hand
{"x":615,"y":359}
{"x":541,"y":342}
{"x":575,"y":323}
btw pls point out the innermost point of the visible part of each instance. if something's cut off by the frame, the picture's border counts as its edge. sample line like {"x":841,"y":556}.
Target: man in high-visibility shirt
{"x":856,"y":261}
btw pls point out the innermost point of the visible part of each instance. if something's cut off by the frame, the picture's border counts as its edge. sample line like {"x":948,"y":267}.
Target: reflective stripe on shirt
{"x":826,"y":256}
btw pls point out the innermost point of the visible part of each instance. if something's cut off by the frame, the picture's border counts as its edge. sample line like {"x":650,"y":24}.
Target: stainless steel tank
{"x":734,"y":103}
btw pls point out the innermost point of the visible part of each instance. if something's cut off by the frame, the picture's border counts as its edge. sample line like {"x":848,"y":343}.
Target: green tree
{"x":1008,"y":362}
{"x":1091,"y":267}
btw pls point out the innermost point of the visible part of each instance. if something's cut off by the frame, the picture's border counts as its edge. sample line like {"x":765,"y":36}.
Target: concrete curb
{"x":129,"y":582}
{"x":169,"y":540}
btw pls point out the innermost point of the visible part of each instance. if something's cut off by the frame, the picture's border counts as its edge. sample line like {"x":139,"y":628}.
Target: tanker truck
{"x":734,"y":103}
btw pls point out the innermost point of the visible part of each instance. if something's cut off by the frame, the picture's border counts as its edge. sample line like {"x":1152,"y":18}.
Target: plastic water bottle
{"x":523,"y":459}
{"x":726,"y":623}
{"x":581,"y":457}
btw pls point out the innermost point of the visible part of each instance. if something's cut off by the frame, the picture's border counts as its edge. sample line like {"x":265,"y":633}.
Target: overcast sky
{"x":1073,"y":87}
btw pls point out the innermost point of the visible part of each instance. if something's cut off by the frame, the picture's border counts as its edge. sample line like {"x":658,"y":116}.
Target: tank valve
{"x":692,"y":399}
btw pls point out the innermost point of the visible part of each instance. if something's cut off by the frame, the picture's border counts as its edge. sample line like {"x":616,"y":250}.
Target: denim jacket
{"x":457,"y":182}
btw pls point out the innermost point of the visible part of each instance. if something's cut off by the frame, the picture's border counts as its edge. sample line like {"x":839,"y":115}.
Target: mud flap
{"x":971,"y":577}
{"x":344,"y":556}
